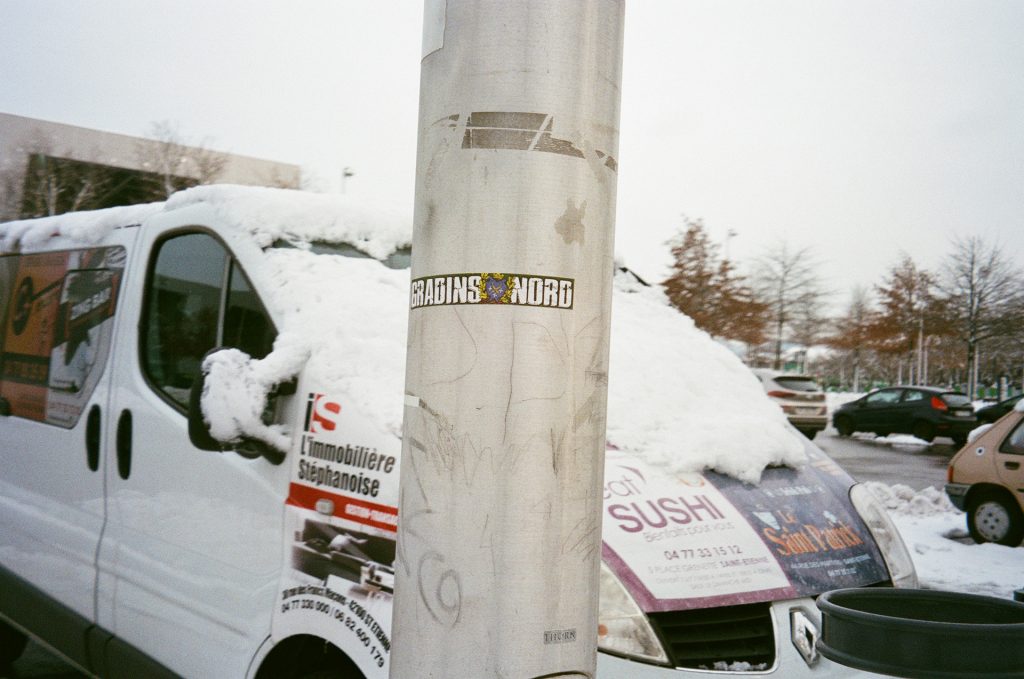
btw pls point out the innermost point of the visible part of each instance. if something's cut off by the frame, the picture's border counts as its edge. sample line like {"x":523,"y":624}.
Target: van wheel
{"x":959,"y":440}
{"x":993,"y":517}
{"x":12,"y":645}
{"x":844,"y":426}
{"x":924,"y":431}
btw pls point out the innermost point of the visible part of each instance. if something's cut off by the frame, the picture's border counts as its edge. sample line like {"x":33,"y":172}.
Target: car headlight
{"x":622,"y":628}
{"x":887,"y":537}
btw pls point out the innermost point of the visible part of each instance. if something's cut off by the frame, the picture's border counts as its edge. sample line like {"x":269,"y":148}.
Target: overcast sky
{"x":860,"y":129}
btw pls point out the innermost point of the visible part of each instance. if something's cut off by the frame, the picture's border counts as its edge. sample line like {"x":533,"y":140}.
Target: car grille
{"x":700,"y":638}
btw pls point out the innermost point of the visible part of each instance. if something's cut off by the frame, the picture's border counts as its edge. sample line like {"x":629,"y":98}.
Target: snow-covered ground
{"x":946,"y":558}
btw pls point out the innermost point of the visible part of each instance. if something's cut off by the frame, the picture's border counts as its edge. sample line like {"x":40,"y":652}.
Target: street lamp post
{"x":499,"y":537}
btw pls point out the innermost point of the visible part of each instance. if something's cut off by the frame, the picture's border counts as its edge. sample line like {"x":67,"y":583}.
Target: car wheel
{"x":843,"y":426}
{"x":12,"y":645}
{"x":993,"y":517}
{"x":809,"y":433}
{"x":924,"y":431}
{"x":959,"y":440}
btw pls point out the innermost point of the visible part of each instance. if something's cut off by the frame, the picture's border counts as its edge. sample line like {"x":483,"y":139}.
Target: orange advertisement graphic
{"x":56,"y":336}
{"x":28,"y":337}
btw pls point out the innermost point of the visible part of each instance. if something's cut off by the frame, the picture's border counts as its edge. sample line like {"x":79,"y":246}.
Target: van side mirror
{"x":199,"y":432}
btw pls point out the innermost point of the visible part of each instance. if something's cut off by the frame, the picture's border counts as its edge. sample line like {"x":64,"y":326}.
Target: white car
{"x":800,"y":398}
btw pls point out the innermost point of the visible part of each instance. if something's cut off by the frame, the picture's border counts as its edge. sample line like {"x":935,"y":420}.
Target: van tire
{"x":994,"y":517}
{"x":12,"y":645}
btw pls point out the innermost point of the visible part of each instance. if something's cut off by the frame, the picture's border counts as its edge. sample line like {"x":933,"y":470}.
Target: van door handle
{"x":1012,"y":465}
{"x":92,"y":438}
{"x":124,"y":444}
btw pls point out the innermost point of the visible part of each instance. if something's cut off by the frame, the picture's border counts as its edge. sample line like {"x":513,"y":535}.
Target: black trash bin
{"x":923,"y":634}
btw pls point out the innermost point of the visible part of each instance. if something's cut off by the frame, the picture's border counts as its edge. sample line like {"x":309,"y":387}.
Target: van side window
{"x":197,"y":298}
{"x":59,"y":309}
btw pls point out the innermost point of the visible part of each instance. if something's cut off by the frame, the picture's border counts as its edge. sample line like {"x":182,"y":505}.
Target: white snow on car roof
{"x":81,"y":228}
{"x":676,"y":398}
{"x":266,"y":214}
{"x":301,"y":217}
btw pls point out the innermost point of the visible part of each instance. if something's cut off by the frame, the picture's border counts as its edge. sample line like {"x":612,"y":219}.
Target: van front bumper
{"x":789,"y":663}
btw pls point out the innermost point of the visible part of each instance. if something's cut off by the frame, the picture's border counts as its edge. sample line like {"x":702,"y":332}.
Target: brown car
{"x":986,"y":479}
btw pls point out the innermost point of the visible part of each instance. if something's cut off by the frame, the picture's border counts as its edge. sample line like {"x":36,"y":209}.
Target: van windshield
{"x":399,"y":259}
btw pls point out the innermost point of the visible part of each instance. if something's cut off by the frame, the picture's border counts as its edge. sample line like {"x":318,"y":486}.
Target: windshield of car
{"x":399,"y":259}
{"x":956,"y":399}
{"x":797,"y":383}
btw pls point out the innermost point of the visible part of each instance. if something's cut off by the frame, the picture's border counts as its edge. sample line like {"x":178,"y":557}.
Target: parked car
{"x":924,"y":412}
{"x":800,"y":398}
{"x":991,"y":413}
{"x":986,"y":480}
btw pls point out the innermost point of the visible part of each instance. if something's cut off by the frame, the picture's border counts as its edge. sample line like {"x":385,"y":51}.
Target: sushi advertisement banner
{"x":698,"y":540}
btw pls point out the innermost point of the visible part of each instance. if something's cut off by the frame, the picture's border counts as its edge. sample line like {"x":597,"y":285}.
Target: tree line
{"x":960,"y":325}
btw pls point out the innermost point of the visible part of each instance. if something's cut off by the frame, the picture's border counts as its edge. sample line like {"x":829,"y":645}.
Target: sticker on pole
{"x":510,"y":289}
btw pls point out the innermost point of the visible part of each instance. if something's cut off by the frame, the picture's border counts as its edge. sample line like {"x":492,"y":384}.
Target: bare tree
{"x":787,"y":281}
{"x":174,"y":162}
{"x":852,"y":335}
{"x":912,"y":312}
{"x":984,"y":293}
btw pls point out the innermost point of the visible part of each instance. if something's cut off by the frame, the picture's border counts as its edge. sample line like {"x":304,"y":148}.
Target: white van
{"x":132,"y":549}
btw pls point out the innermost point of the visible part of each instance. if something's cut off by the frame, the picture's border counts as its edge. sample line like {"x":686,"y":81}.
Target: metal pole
{"x":506,"y":382}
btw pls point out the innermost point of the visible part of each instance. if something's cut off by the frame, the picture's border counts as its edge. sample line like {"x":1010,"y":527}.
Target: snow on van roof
{"x":676,"y":398}
{"x":681,"y":400}
{"x":301,"y":217}
{"x":267,"y":214}
{"x":84,"y":228}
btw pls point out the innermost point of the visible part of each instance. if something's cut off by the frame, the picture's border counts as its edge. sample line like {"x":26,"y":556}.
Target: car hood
{"x":684,"y":541}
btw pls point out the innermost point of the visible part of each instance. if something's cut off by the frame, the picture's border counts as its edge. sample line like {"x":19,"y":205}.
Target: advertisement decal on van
{"x":342,"y":516}
{"x":718,"y":542}
{"x":58,"y":312}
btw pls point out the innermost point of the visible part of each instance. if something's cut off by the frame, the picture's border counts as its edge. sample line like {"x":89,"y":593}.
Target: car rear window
{"x":956,"y":399}
{"x":798,"y":383}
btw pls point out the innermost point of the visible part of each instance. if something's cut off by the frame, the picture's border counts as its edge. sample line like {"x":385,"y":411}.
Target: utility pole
{"x":499,"y":536}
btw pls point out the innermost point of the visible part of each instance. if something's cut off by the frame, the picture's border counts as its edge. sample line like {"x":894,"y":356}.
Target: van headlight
{"x":887,"y":537}
{"x":622,"y":628}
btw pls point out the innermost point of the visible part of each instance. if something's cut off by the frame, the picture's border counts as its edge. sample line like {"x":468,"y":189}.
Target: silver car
{"x":800,"y":398}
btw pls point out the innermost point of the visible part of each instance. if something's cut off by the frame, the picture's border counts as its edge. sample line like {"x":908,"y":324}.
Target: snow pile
{"x":676,"y":398}
{"x":351,"y":315}
{"x":682,"y":401}
{"x":901,"y":499}
{"x":86,"y":228}
{"x":269,"y":215}
{"x":341,"y":318}
{"x":944,"y":555}
{"x":897,"y":440}
{"x":236,"y":388}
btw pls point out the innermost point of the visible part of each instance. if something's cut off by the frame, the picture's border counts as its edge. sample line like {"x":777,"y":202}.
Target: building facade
{"x":50,"y":168}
